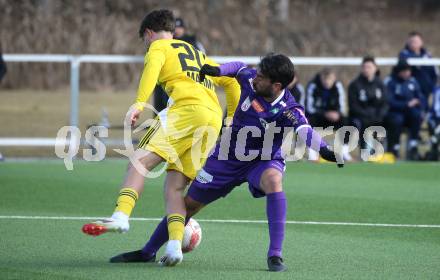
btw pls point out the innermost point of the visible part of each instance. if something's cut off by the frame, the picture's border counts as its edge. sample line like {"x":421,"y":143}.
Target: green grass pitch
{"x":404,"y":193}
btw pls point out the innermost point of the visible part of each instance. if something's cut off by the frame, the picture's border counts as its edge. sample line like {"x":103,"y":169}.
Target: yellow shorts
{"x":183,"y":137}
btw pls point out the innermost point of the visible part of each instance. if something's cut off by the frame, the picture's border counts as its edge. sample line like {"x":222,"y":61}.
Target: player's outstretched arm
{"x":229,"y":69}
{"x":314,"y":141}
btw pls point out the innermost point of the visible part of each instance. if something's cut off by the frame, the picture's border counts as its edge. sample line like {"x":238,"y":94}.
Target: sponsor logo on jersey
{"x":290,"y":116}
{"x":257,"y":106}
{"x":204,"y":177}
{"x":246,"y":104}
{"x":283,"y":103}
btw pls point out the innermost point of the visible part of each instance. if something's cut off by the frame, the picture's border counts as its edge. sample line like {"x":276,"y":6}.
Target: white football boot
{"x":118,"y":223}
{"x":173,"y":253}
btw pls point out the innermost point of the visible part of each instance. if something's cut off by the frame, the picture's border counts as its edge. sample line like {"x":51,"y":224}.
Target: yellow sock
{"x":126,"y":200}
{"x":176,"y":226}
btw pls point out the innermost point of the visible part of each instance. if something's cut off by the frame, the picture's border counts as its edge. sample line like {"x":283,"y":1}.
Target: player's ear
{"x":148,"y":34}
{"x":277,"y":87}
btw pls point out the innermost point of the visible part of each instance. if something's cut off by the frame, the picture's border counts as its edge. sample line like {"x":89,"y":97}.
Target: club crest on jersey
{"x":246,"y":104}
{"x":274,"y":110}
{"x":257,"y":106}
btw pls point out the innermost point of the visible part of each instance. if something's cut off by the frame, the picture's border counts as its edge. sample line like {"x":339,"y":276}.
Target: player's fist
{"x":134,"y":116}
{"x":330,"y":155}
{"x":209,"y":70}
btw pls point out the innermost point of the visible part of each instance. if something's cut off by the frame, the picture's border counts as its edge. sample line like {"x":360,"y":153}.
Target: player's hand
{"x":333,"y":116}
{"x":209,"y":70}
{"x":135,"y":116}
{"x":329,"y":155}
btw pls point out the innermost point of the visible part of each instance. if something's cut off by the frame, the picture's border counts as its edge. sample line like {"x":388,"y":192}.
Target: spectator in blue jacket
{"x":426,"y":76}
{"x":434,"y":124}
{"x":405,"y":101}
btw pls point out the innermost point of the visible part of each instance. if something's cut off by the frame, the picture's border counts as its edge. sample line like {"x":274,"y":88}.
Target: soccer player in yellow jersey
{"x":186,"y":131}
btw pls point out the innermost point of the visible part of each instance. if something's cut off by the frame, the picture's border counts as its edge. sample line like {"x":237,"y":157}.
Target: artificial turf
{"x":403,"y":193}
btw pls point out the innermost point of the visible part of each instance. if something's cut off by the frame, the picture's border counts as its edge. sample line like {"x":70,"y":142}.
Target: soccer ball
{"x":192,"y":236}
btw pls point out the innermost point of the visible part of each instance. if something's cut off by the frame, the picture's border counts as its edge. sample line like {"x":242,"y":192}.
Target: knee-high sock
{"x":276,"y":208}
{"x":126,"y":200}
{"x":159,"y":237}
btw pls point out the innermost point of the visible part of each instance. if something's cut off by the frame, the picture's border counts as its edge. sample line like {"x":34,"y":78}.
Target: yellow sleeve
{"x":154,"y":60}
{"x":232,"y":91}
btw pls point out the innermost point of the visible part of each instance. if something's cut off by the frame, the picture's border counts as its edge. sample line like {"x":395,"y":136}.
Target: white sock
{"x":118,"y":215}
{"x":313,"y":155}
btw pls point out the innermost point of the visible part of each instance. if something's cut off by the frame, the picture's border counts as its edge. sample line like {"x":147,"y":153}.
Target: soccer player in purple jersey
{"x":266,"y":110}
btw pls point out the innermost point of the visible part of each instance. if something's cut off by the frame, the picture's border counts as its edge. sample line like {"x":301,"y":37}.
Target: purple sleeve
{"x":231,"y":68}
{"x":312,"y":138}
{"x":296,"y":118}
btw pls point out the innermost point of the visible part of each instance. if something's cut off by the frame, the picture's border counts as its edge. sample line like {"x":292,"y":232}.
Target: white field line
{"x":228,"y":221}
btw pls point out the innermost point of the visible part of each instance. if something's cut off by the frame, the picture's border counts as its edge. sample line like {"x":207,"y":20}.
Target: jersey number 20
{"x":188,"y":56}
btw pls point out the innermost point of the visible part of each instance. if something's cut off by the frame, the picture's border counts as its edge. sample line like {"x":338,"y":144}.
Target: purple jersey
{"x":258,"y":127}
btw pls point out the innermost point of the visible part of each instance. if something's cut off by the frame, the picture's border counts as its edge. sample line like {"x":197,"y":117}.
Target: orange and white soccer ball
{"x":192,"y":236}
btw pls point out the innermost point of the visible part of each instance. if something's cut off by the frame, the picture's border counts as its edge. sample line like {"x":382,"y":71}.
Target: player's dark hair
{"x":278,"y":68}
{"x":157,"y":20}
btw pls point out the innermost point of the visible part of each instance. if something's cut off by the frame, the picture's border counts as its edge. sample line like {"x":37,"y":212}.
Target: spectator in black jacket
{"x":367,"y":101}
{"x":2,"y":67}
{"x":406,"y":103}
{"x":180,"y":34}
{"x":297,"y":90}
{"x":325,"y":103}
{"x":426,"y":76}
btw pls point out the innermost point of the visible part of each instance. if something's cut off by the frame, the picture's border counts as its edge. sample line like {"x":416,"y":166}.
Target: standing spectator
{"x":434,"y":125}
{"x":180,"y":34}
{"x":367,"y":101}
{"x":405,"y":99}
{"x":2,"y":67}
{"x":297,"y":90}
{"x":426,"y":76}
{"x":325,"y":104}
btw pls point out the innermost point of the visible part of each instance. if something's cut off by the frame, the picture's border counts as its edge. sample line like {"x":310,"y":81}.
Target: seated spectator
{"x":367,"y":101}
{"x":426,"y":76}
{"x":434,"y":125}
{"x":297,"y":90}
{"x":405,"y":100}
{"x":2,"y":67}
{"x":325,"y":103}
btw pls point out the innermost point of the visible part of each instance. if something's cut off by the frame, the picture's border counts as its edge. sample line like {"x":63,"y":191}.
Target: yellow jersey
{"x":175,"y":65}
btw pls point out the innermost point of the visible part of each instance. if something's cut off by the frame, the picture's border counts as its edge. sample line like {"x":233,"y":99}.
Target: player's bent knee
{"x":271,"y":181}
